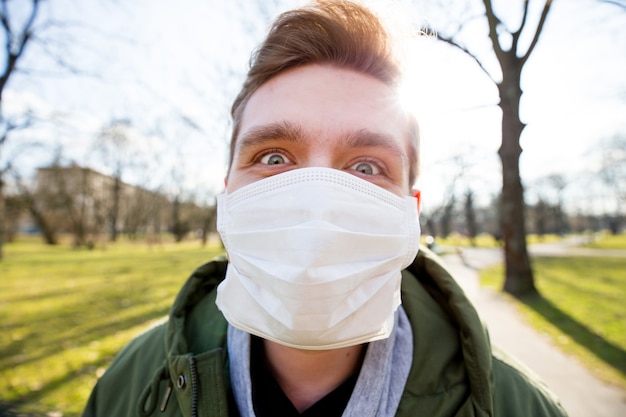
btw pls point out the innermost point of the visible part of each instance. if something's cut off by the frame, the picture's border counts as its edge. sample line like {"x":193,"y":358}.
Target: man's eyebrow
{"x":274,"y":131}
{"x":367,"y":139}
{"x":290,"y":132}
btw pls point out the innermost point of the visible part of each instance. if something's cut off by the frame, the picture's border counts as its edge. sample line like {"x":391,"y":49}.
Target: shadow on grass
{"x":17,"y":353}
{"x":12,"y":409}
{"x":606,"y":351}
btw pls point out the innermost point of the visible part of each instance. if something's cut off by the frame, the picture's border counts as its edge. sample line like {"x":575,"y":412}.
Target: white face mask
{"x":315,"y":256}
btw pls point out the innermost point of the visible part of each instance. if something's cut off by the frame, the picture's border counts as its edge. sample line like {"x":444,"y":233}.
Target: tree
{"x":559,"y":184}
{"x":613,"y":174}
{"x":75,"y":197}
{"x":511,"y":58}
{"x":142,"y":212}
{"x":113,"y":143}
{"x":16,"y":35}
{"x":180,"y":224}
{"x":541,"y":217}
{"x":470,"y":217}
{"x":446,"y":221}
{"x":14,"y":209}
{"x":40,"y":217}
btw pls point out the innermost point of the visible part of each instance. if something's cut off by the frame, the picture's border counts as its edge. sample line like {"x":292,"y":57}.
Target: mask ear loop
{"x":418,"y":195}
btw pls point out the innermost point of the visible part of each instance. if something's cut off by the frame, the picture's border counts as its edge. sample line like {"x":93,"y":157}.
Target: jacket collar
{"x":436,"y":293}
{"x":437,"y":308}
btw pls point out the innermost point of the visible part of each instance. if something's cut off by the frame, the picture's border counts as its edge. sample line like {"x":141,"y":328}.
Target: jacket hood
{"x":462,"y":318}
{"x":195,"y":297}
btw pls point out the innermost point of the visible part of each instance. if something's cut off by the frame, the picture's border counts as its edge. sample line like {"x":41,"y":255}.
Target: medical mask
{"x":315,"y":257}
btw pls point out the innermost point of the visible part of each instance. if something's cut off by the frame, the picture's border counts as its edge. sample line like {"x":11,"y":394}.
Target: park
{"x":114,"y":151}
{"x":66,"y":312}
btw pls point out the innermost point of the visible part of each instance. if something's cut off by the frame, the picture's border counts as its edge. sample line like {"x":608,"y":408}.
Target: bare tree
{"x":39,"y":215}
{"x":207,"y":222}
{"x":613,"y":174}
{"x":440,"y":221}
{"x":548,"y":214}
{"x":558,"y":184}
{"x":75,"y":197}
{"x":8,"y":126}
{"x":16,"y":37}
{"x":540,"y":213}
{"x":446,"y":221}
{"x":511,"y":58}
{"x":470,"y":217}
{"x":113,"y":143}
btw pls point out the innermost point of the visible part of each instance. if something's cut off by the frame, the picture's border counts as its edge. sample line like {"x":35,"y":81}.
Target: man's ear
{"x":418,"y":195}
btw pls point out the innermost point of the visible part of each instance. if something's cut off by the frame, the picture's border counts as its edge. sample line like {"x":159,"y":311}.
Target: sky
{"x":172,"y":69}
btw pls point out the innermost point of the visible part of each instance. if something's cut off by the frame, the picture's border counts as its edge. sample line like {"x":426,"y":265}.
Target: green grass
{"x":458,"y":240}
{"x":608,"y":241}
{"x":533,"y":239}
{"x":485,"y":240}
{"x":581,"y":307}
{"x":65,"y":313}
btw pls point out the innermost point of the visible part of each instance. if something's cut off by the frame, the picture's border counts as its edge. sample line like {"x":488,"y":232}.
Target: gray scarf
{"x":376,"y":393}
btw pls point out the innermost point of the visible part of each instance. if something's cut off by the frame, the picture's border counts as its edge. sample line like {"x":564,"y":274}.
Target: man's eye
{"x":366,"y":168}
{"x":274,"y":159}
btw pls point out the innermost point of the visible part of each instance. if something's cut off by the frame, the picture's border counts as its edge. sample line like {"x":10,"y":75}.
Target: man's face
{"x":323,"y":116}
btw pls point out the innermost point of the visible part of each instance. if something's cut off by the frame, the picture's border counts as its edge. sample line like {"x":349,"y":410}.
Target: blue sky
{"x":172,"y":68}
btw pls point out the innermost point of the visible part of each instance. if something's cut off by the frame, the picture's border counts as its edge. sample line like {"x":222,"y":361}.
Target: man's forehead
{"x":342,"y":96}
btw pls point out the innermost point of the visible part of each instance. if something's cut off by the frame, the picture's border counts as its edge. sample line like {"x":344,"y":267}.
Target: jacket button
{"x":181,"y":382}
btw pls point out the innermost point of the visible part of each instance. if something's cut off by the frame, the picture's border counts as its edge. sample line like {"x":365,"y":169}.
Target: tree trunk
{"x":115,"y":210}
{"x":208,"y":220}
{"x":47,"y":232}
{"x":470,"y":217}
{"x":446,"y":219}
{"x":518,"y":272}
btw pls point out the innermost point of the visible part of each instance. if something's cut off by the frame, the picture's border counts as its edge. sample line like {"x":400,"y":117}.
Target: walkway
{"x":581,"y":393}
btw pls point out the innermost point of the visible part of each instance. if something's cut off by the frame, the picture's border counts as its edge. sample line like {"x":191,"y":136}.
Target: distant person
{"x":324,"y":307}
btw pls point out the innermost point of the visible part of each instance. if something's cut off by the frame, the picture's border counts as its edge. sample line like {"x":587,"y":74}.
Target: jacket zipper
{"x":194,"y":386}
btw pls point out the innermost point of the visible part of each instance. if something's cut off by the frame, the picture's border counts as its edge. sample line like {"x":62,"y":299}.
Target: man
{"x":323,"y":307}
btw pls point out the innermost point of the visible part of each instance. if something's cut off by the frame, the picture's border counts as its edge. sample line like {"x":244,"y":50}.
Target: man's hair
{"x":335,"y":32}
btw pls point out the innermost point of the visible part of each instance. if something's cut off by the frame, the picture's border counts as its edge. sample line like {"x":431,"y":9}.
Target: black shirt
{"x":269,"y":400}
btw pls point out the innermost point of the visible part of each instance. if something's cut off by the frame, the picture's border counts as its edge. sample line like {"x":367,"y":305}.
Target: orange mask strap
{"x":418,"y":196}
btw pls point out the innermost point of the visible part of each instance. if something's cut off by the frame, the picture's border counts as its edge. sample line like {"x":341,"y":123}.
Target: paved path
{"x":581,"y":393}
{"x":571,"y":247}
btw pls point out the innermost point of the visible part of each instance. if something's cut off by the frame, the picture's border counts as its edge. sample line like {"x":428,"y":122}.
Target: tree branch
{"x":516,"y":35}
{"x":542,"y":21}
{"x":15,"y":42}
{"x":493,"y":22}
{"x":4,"y":16}
{"x":8,"y":125}
{"x":450,"y":41}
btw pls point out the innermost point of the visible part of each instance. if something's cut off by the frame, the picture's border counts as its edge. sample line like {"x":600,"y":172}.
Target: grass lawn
{"x":582,"y":307}
{"x":458,"y":240}
{"x":65,"y":313}
{"x":607,"y":241}
{"x":485,"y":240}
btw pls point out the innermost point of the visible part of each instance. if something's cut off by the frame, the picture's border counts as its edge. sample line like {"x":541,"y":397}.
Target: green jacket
{"x":181,"y":366}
